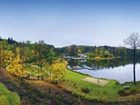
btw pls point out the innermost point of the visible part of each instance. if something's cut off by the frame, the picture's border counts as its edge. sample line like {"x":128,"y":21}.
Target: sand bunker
{"x":96,"y":81}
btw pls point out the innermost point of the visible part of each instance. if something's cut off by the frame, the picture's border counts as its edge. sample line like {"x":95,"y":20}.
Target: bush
{"x":122,"y":92}
{"x":133,"y":91}
{"x":85,"y":90}
{"x":125,"y":92}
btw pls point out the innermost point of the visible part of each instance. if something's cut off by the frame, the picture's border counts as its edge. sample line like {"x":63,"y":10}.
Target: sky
{"x":66,"y":22}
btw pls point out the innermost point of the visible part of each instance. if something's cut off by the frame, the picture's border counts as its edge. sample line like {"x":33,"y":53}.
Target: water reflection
{"x":118,"y":69}
{"x":100,"y":64}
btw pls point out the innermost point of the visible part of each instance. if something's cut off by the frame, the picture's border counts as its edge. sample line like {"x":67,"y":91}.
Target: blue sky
{"x":66,"y":22}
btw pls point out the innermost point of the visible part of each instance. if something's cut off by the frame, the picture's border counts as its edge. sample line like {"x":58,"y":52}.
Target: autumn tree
{"x":5,"y":54}
{"x":16,"y":67}
{"x":57,"y":70}
{"x":134,"y":42}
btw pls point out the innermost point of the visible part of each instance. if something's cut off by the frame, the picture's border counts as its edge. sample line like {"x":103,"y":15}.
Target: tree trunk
{"x":41,"y":73}
{"x":134,"y":63}
{"x":38,"y":74}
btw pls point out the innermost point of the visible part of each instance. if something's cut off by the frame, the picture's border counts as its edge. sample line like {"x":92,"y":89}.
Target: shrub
{"x":133,"y":91}
{"x":125,"y":92}
{"x":85,"y":90}
{"x":122,"y":92}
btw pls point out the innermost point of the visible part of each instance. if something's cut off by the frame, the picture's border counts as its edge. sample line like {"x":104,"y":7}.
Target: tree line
{"x":98,"y":52}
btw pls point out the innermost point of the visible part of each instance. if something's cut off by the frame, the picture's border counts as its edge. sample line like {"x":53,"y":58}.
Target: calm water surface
{"x":122,"y":74}
{"x":120,"y":70}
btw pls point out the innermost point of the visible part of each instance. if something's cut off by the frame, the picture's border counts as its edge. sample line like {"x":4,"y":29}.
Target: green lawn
{"x":7,"y":97}
{"x":75,"y":84}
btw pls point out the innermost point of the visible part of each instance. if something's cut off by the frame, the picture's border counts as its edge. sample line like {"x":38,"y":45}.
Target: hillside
{"x":41,"y":92}
{"x":7,"y":97}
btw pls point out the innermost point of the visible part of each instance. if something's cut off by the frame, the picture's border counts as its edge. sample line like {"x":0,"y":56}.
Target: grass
{"x":133,"y":88}
{"x":132,"y":85}
{"x":74,"y":83}
{"x":7,"y":97}
{"x":111,"y":92}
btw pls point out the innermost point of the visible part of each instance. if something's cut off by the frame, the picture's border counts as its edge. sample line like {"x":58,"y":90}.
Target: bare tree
{"x":134,"y":42}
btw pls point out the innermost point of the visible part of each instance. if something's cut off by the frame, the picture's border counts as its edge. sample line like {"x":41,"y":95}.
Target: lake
{"x":117,"y":69}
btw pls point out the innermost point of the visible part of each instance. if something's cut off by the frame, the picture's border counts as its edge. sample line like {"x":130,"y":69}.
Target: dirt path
{"x":96,"y":81}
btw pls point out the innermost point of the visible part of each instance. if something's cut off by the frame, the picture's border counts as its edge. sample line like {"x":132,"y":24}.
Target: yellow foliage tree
{"x":16,"y":67}
{"x":57,"y":70}
{"x":5,"y":57}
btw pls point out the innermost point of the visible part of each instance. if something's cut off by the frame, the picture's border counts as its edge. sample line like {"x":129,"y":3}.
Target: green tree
{"x":40,"y":55}
{"x":72,"y":50}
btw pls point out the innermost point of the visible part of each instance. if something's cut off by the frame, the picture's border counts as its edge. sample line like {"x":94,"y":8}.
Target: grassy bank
{"x":74,"y":82}
{"x":111,"y":92}
{"x":7,"y":97}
